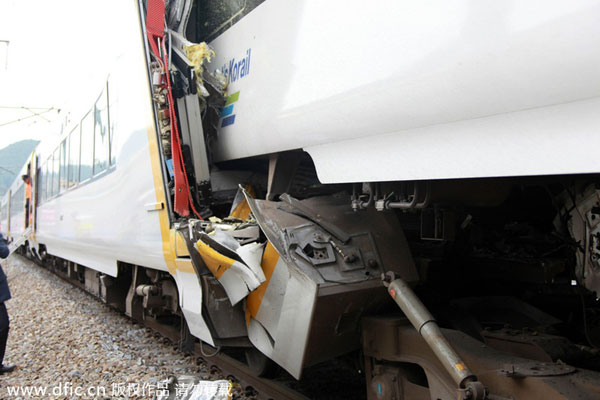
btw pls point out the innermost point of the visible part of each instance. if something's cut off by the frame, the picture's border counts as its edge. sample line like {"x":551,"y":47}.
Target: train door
{"x":4,"y":216}
{"x":36,"y":188}
{"x":8,"y":206}
{"x":27,"y":178}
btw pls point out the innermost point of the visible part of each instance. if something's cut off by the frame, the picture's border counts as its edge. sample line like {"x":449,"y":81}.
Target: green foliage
{"x":12,"y":158}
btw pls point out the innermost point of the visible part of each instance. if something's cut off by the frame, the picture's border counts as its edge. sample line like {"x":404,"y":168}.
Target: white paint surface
{"x":401,"y":76}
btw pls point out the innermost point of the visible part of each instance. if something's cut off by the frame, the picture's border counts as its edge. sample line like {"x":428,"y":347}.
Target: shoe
{"x":5,"y":369}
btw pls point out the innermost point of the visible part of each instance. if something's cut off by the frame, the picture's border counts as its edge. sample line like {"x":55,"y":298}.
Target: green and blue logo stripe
{"x":227,"y":115}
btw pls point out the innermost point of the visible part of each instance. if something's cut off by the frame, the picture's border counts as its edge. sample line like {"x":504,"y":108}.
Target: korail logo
{"x":234,"y":69}
{"x":237,"y":69}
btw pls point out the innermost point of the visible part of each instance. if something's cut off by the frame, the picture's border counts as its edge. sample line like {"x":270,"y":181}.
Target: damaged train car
{"x":413,"y":185}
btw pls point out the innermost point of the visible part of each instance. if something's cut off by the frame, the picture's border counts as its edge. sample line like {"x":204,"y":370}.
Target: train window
{"x":47,"y":178}
{"x":55,"y":171}
{"x":44,"y":191}
{"x":74,"y":148}
{"x":64,"y":152}
{"x":42,"y":184}
{"x":17,"y":205}
{"x":4,"y":215}
{"x":101,"y":134}
{"x":113,"y":106}
{"x":13,"y":203}
{"x":41,"y":176}
{"x":87,"y":147}
{"x":210,"y":18}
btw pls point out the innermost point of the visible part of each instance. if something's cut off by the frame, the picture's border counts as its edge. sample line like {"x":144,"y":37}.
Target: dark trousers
{"x":3,"y":330}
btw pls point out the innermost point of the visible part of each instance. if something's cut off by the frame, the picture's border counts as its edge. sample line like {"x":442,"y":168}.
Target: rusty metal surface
{"x":535,"y":368}
{"x":394,"y":339}
{"x":527,"y":343}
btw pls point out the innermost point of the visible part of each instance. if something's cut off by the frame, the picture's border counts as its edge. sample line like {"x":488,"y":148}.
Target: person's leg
{"x":3,"y":331}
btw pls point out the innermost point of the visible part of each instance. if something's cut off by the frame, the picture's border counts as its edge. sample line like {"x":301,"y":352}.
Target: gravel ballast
{"x":62,"y":339}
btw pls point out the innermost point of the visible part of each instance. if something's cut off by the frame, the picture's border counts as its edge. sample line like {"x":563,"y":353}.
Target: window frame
{"x":72,"y":180}
{"x":57,"y":174}
{"x":106,"y":157}
{"x":90,"y":113}
{"x":63,"y":170}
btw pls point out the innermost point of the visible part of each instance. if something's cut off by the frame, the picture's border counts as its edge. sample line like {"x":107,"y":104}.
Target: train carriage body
{"x":458,"y":89}
{"x":97,"y":201}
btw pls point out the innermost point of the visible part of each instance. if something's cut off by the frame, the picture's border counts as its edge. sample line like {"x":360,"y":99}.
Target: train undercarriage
{"x":506,"y":267}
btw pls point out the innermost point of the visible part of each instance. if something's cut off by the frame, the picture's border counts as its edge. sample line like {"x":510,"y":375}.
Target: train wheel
{"x":260,"y":364}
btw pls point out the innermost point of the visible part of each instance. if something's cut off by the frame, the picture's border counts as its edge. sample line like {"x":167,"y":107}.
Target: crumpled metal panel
{"x":236,"y":267}
{"x":315,"y":245}
{"x":376,"y":237}
{"x":309,"y":284}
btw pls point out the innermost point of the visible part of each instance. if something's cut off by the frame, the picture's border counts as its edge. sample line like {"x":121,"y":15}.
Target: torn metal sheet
{"x":245,"y":233}
{"x":279,"y":312}
{"x":190,"y":298}
{"x":231,"y":270}
{"x":240,"y":208}
{"x":243,"y":242}
{"x":251,"y":254}
{"x":264,"y":304}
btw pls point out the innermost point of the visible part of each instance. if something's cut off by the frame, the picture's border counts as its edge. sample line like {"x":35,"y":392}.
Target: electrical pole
{"x":6,"y":43}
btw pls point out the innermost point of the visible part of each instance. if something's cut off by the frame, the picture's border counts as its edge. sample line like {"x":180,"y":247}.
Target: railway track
{"x":228,"y":366}
{"x":265,"y":388}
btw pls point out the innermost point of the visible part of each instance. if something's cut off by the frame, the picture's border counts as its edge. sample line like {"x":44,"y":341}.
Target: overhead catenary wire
{"x":8,"y":170}
{"x":24,"y":107}
{"x":30,"y":109}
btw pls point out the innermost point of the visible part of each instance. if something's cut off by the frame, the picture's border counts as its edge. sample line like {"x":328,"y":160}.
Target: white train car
{"x":449,"y":145}
{"x":96,"y":186}
{"x":412,"y":91}
{"x":100,"y":197}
